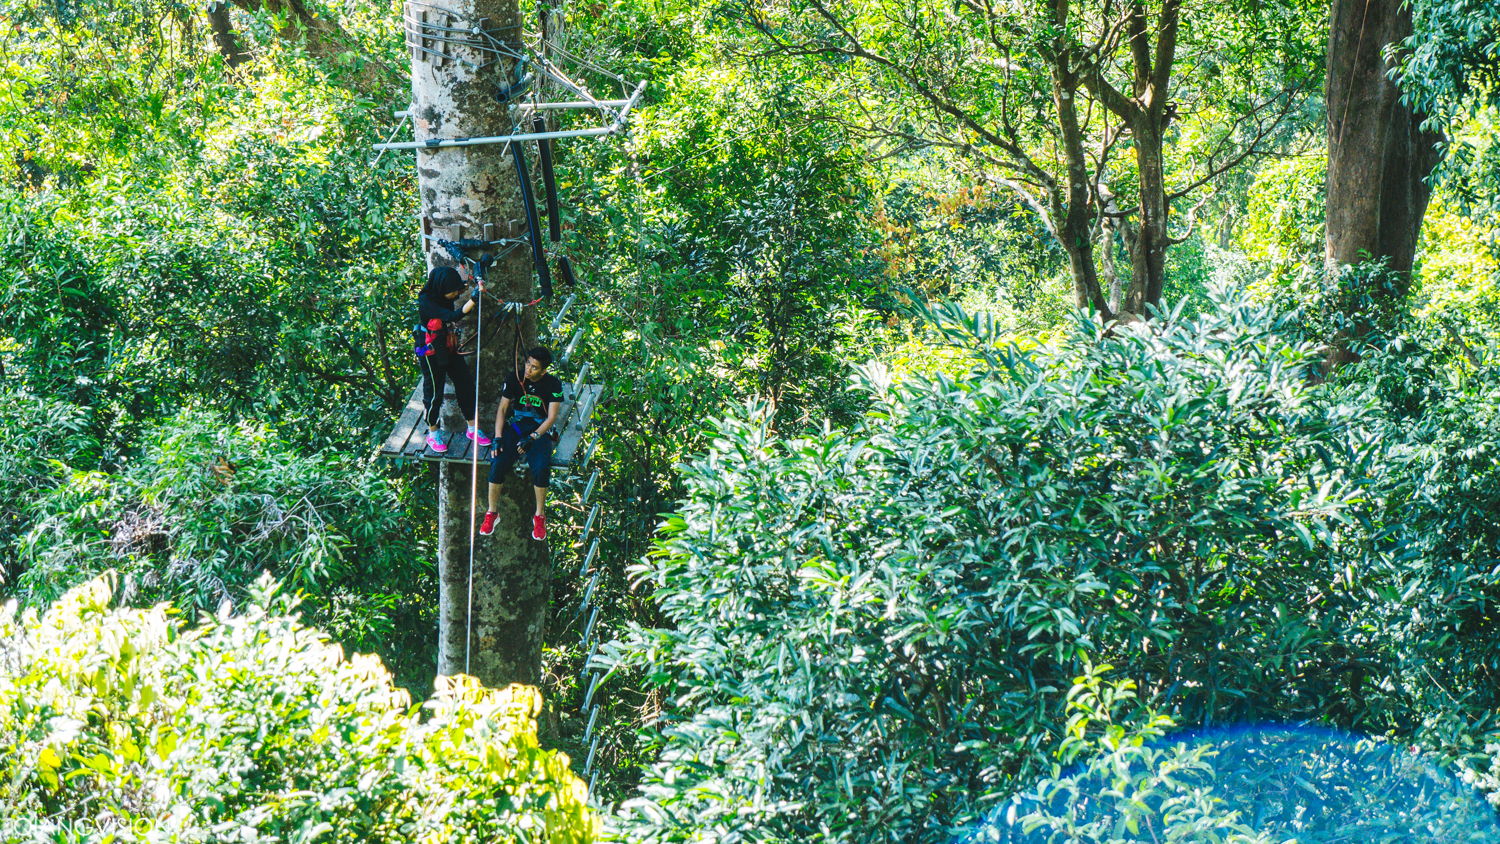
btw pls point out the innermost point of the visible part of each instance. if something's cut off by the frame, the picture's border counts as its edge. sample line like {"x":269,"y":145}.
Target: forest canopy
{"x":1020,"y":420}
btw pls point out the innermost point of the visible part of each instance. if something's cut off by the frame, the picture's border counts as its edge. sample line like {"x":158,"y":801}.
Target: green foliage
{"x":1283,"y":226}
{"x":1433,"y":580}
{"x":1449,"y":72}
{"x":182,"y":234}
{"x":1451,"y":64}
{"x":252,"y":727}
{"x":1245,"y":784}
{"x":1130,"y":784}
{"x":37,"y":436}
{"x":888,"y":618}
{"x":1458,"y":268}
{"x":209,"y":507}
{"x":195,"y":257}
{"x":873,"y":630}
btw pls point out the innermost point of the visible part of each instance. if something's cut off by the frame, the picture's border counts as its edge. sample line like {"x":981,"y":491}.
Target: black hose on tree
{"x":544,"y":278}
{"x":565,"y":269}
{"x":549,"y":181}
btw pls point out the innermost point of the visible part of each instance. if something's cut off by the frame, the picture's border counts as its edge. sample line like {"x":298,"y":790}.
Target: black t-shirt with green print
{"x":530,"y":399}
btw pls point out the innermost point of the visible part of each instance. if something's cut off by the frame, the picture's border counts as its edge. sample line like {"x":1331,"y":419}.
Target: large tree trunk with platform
{"x":474,"y":192}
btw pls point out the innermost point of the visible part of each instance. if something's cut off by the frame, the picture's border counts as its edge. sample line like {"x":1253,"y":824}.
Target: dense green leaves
{"x":874,"y":630}
{"x":121,"y":725}
{"x":207,"y":509}
{"x":861,"y":630}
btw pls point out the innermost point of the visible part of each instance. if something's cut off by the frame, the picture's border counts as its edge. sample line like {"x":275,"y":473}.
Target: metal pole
{"x":436,"y":143}
{"x":639,"y":89}
{"x":571,"y":105}
{"x":504,"y":139}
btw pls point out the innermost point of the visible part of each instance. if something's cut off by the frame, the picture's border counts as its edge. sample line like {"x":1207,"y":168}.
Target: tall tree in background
{"x":1042,"y":97}
{"x":223,"y":30}
{"x":1379,"y":154}
{"x":1143,"y":108}
{"x":467,"y":192}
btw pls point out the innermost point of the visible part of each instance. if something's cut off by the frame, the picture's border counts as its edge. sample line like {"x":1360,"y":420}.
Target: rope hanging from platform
{"x":474,"y":478}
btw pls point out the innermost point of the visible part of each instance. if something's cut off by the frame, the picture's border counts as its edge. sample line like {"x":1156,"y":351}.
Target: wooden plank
{"x":408,"y":441}
{"x":406,"y":423}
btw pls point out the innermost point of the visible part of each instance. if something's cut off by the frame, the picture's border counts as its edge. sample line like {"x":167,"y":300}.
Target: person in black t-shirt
{"x":536,"y":399}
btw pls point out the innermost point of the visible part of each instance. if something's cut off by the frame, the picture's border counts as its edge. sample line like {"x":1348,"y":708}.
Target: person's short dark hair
{"x":541,"y":355}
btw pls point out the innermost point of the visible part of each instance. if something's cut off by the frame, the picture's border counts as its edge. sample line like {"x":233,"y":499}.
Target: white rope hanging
{"x":474,"y":477}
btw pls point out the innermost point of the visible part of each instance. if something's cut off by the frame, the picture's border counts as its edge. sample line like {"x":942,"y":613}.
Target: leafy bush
{"x":252,"y":727}
{"x":874,"y":630}
{"x":1131,"y":780}
{"x":209,"y":507}
{"x":1243,"y":785}
{"x":1430,"y":571}
{"x":36,"y":436}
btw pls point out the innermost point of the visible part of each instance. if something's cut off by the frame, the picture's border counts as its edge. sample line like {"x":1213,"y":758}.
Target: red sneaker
{"x":538,"y":527}
{"x":487,"y":526}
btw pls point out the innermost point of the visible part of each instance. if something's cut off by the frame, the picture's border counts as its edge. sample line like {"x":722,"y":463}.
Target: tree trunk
{"x":1378,"y":155}
{"x":1110,"y":227}
{"x":223,"y":30}
{"x":1145,"y":112}
{"x":473,"y":192}
{"x":1148,"y":273}
{"x":1074,"y":212}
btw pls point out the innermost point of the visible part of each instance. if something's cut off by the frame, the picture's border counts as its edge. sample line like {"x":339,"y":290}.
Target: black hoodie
{"x":433,"y":303}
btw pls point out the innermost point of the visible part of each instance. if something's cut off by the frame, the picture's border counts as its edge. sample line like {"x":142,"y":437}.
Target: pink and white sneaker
{"x":538,"y":527}
{"x":478,"y":436}
{"x":435,"y":442}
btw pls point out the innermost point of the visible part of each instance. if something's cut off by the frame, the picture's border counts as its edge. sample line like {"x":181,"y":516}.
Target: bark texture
{"x":1072,"y":211}
{"x":472,"y":192}
{"x":1144,"y":110}
{"x":1069,"y":212}
{"x":323,"y":38}
{"x":1378,"y":155}
{"x":223,"y":29}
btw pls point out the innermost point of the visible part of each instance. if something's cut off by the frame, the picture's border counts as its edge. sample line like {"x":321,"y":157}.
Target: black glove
{"x":475,"y":293}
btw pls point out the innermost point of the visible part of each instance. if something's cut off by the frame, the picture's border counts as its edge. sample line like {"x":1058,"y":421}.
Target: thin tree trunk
{"x":463,"y":191}
{"x":1149,"y":259}
{"x":1110,"y":227}
{"x":223,"y":30}
{"x":1145,"y":112}
{"x":1074,"y":213}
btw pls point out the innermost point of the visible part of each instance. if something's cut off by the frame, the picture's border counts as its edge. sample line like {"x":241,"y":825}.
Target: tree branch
{"x":1263,"y":131}
{"x":1191,"y":221}
{"x":1166,"y":50}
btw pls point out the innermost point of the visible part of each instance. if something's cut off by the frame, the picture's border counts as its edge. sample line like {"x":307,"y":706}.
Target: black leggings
{"x":433,"y":376}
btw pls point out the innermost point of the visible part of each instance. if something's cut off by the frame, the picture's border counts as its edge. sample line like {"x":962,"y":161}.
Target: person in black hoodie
{"x":436,"y":351}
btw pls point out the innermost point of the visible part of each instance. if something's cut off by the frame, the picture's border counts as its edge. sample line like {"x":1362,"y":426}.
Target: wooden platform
{"x":409,"y":440}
